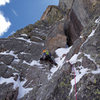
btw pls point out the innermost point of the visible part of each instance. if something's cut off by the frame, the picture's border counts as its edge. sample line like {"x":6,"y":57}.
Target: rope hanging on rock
{"x":74,"y":79}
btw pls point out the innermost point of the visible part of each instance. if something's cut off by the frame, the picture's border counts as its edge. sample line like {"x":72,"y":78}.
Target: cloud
{"x":14,"y":12}
{"x":3,"y":2}
{"x":4,"y":24}
{"x":12,"y":32}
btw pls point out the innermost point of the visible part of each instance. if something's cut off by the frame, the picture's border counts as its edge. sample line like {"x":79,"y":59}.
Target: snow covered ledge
{"x":17,"y":84}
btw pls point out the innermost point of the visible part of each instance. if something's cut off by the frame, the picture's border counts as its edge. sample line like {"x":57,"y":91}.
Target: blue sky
{"x":16,"y":14}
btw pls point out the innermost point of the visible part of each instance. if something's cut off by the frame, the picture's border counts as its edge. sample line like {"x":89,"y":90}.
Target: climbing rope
{"x":75,"y":84}
{"x":74,"y":79}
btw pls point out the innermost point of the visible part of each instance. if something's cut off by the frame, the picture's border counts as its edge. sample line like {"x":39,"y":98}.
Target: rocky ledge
{"x":71,"y":32}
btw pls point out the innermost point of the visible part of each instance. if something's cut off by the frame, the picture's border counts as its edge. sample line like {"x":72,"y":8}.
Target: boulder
{"x":3,"y":69}
{"x":87,"y":63}
{"x":7,"y":92}
{"x":6,"y":59}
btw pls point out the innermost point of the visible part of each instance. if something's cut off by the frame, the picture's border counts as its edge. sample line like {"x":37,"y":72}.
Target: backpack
{"x":46,"y":52}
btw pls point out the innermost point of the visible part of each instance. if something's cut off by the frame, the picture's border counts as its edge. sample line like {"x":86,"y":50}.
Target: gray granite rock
{"x":6,"y":59}
{"x":53,"y":32}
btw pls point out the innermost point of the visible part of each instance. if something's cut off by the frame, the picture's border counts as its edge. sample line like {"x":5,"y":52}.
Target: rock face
{"x":75,"y":23}
{"x":52,"y":14}
{"x":72,"y":28}
{"x":82,"y":12}
{"x":56,"y":38}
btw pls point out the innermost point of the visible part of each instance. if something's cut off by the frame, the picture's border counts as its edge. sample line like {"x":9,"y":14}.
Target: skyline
{"x":16,"y":14}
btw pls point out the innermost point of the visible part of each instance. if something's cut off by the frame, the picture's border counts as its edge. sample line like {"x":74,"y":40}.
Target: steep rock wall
{"x":80,"y":14}
{"x":20,"y":53}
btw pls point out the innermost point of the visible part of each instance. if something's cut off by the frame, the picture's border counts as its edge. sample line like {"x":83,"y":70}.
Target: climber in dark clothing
{"x":46,"y":56}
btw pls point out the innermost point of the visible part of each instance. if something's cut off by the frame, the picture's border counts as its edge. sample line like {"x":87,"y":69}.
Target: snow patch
{"x":89,"y":57}
{"x":74,"y":58}
{"x":23,"y":34}
{"x":16,"y":60}
{"x":37,"y":37}
{"x":9,"y":53}
{"x":10,"y":67}
{"x":12,"y":54}
{"x":91,"y":34}
{"x":59,"y":60}
{"x":52,"y":71}
{"x":62,"y":51}
{"x":1,"y":63}
{"x":81,"y":36}
{"x":96,"y":71}
{"x":6,"y":80}
{"x":22,"y":91}
{"x":34,"y":62}
{"x":83,"y":71}
{"x":97,"y":20}
{"x":21,"y":38}
{"x":28,"y":41}
{"x":23,"y":53}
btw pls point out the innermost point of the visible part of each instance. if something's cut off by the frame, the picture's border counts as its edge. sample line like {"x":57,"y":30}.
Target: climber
{"x":46,"y":56}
